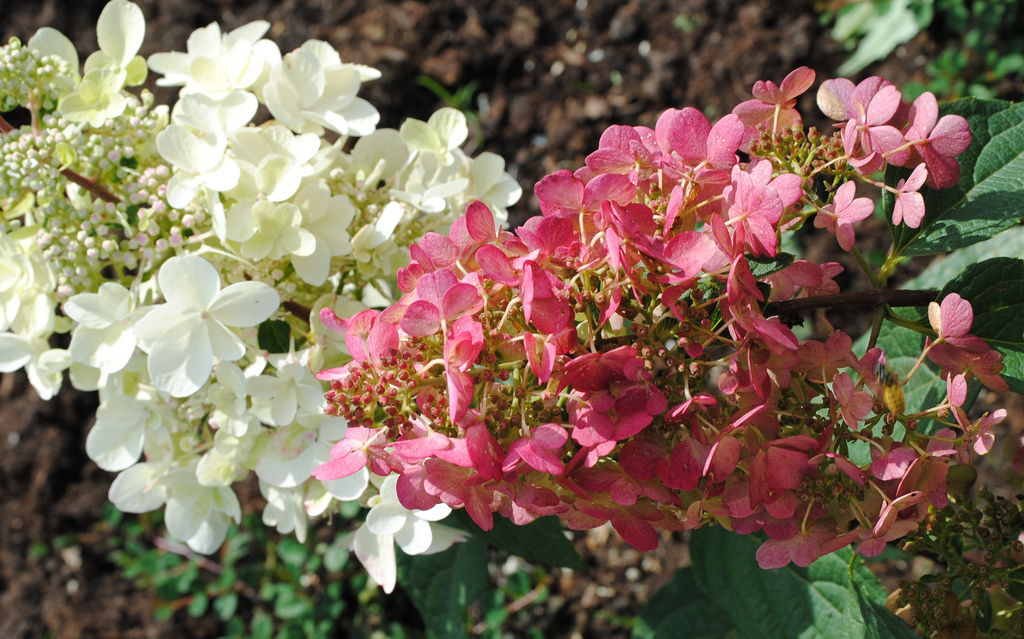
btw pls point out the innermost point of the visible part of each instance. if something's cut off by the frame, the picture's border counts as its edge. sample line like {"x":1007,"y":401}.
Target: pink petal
{"x":440,"y":249}
{"x":797,"y":81}
{"x":560,"y":189}
{"x":459,"y":300}
{"x":421,"y":319}
{"x":496,"y":265}
{"x":480,"y":223}
{"x":685,"y":132}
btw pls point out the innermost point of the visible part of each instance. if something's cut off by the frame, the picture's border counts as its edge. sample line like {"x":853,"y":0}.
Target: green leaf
{"x":812,"y":602}
{"x":879,"y":623}
{"x":1007,"y":244}
{"x":886,"y":26}
{"x":225,"y":605}
{"x":262,"y":625}
{"x":764,"y":266}
{"x":995,"y":289}
{"x":273,"y":336}
{"x":443,"y":585}
{"x":200,"y":602}
{"x":988,"y":199}
{"x":681,"y":610}
{"x":542,"y":541}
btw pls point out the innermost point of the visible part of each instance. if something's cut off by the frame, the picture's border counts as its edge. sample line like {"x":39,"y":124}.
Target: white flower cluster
{"x":188,"y":252}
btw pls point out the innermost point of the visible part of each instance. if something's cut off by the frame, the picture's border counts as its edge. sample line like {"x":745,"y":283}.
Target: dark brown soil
{"x":550,"y":76}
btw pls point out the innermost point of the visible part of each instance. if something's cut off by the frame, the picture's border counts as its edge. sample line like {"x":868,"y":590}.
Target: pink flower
{"x":839,"y":217}
{"x":855,"y":405}
{"x":869,"y":108}
{"x":909,"y":205}
{"x":937,"y":141}
{"x":756,"y":209}
{"x":776,"y":104}
{"x":540,"y":448}
{"x":441,"y":299}
{"x":361,"y":447}
{"x":620,"y":150}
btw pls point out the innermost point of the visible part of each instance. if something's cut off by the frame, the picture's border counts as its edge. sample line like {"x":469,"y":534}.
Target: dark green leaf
{"x":442,"y":586}
{"x":764,"y":266}
{"x":273,"y":336}
{"x":879,"y":623}
{"x":984,"y":618}
{"x":988,"y":199}
{"x":816,"y":601}
{"x":542,"y":541}
{"x":995,"y":289}
{"x":681,"y":610}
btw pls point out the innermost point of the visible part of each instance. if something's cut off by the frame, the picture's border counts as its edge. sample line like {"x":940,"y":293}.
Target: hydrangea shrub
{"x":350,"y":321}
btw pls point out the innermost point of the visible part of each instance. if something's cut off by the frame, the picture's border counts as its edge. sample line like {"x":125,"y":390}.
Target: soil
{"x":549,"y":78}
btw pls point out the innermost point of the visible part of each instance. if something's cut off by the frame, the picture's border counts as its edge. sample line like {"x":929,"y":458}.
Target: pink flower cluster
{"x":612,"y":360}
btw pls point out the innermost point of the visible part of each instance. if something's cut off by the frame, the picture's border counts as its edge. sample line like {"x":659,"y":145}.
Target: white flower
{"x":312,"y":90}
{"x":278,"y":400}
{"x":225,"y":463}
{"x":115,"y":441}
{"x":217,"y":64}
{"x":327,"y":218}
{"x":374,"y":236}
{"x":285,"y":510}
{"x":103,"y":338}
{"x":228,"y":398}
{"x":445,"y":131}
{"x":140,"y":488}
{"x":120,"y":32}
{"x":202,"y":113}
{"x":198,"y":514}
{"x":49,"y":41}
{"x":45,"y":366}
{"x":414,"y":530}
{"x":489,"y":183}
{"x":200,"y":161}
{"x":274,"y":231}
{"x":183,"y":335}
{"x":289,"y":456}
{"x":428,"y":185}
{"x":26,"y":288}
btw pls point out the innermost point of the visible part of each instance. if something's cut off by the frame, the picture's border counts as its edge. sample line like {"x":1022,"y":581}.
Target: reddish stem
{"x":874,"y":297}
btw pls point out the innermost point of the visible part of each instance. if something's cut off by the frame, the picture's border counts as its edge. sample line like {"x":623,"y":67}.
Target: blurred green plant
{"x":265,"y":585}
{"x":260,"y":586}
{"x":986,"y":62}
{"x":461,"y":100}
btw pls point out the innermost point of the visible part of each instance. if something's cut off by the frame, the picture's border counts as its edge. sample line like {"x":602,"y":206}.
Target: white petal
{"x":210,"y":536}
{"x":137,"y":490}
{"x":15,"y":352}
{"x":223,"y":343}
{"x":442,"y":538}
{"x":189,"y":281}
{"x":377,"y":554}
{"x":415,"y":537}
{"x":49,"y":41}
{"x":244,"y":304}
{"x":115,"y":442}
{"x":386,"y":518}
{"x":120,"y":31}
{"x":349,"y":488}
{"x":181,"y":368}
{"x":166,"y":323}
